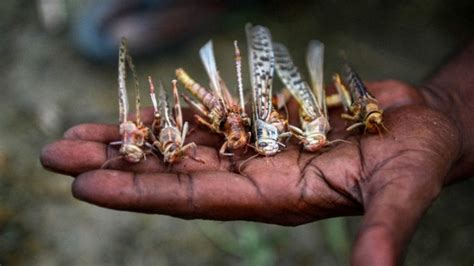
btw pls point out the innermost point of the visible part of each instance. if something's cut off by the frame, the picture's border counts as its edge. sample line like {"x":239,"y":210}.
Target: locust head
{"x":132,"y":153}
{"x":315,"y":143}
{"x":374,"y":122}
{"x":267,"y":147}
{"x":133,"y":139}
{"x":172,"y":153}
{"x":316,"y":132}
{"x":267,"y":139}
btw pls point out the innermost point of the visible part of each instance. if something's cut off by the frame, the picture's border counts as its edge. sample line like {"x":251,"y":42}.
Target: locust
{"x":134,"y":134}
{"x":361,"y":107}
{"x":168,"y":132}
{"x":270,"y":127}
{"x":224,"y":114}
{"x":312,"y":103}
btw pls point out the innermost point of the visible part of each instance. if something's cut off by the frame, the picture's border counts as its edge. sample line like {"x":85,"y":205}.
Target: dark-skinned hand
{"x":391,"y":178}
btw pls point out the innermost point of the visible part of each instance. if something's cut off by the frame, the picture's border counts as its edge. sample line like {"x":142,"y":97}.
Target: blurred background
{"x":59,"y":69}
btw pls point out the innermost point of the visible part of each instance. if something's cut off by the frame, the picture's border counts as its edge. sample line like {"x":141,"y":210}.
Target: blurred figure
{"x":150,"y":25}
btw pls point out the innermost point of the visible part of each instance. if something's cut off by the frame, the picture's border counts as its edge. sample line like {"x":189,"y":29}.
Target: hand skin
{"x":391,"y":180}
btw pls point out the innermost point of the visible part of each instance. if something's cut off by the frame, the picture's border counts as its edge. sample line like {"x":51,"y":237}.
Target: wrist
{"x":451,"y":92}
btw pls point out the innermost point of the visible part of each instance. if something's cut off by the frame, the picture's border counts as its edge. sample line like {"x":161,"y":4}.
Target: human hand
{"x":390,"y":179}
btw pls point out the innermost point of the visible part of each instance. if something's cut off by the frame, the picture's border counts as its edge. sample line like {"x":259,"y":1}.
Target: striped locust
{"x":361,"y":107}
{"x":270,"y":126}
{"x":312,"y":103}
{"x":224,"y":114}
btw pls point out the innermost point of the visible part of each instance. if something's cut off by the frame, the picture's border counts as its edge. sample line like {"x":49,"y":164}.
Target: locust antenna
{"x":246,"y":161}
{"x":238,"y":66}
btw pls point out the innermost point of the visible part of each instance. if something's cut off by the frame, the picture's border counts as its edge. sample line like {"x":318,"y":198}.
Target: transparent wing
{"x":238,"y":67}
{"x":122,"y":76}
{"x":261,"y":64}
{"x":344,"y":94}
{"x":209,"y":62}
{"x":294,"y":81}
{"x":315,"y":63}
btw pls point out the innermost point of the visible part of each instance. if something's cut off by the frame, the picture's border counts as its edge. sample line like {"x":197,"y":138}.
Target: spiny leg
{"x":157,"y":117}
{"x":296,"y":129}
{"x":349,"y":117}
{"x":199,"y":107}
{"x":178,"y":115}
{"x":193,"y":146}
{"x":353,"y":126}
{"x":223,"y":149}
{"x":201,"y":120}
{"x":184,"y":133}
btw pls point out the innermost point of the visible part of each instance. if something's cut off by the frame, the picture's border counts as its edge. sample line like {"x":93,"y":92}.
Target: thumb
{"x":392,"y":211}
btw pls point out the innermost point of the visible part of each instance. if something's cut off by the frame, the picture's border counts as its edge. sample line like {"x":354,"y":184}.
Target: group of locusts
{"x":218,"y":110}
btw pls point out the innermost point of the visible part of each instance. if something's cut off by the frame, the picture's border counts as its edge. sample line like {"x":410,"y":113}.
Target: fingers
{"x":73,"y":157}
{"x":209,"y":194}
{"x":389,"y":223}
{"x":94,"y":132}
{"x":109,"y":133}
{"x":394,"y":93}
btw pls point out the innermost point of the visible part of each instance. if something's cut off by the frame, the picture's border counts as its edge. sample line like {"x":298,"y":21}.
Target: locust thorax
{"x":216,"y":117}
{"x":132,"y":153}
{"x":373,"y":120}
{"x":235,"y":131}
{"x":133,"y":138}
{"x":315,"y":142}
{"x":171,"y":143}
{"x":315,"y":134}
{"x":267,"y":139}
{"x":278,"y":121}
{"x":172,"y":153}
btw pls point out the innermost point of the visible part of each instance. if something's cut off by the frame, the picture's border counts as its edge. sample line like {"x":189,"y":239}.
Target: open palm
{"x":391,"y":179}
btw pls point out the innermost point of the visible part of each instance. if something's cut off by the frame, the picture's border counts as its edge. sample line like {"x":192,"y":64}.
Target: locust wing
{"x":343,"y":92}
{"x":209,"y":61}
{"x":261,"y":64}
{"x":122,"y":76}
{"x":164,"y":108}
{"x":294,"y":81}
{"x":357,"y":88}
{"x":315,"y":63}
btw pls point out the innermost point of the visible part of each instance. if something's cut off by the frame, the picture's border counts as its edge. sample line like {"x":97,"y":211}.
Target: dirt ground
{"x":48,"y":86}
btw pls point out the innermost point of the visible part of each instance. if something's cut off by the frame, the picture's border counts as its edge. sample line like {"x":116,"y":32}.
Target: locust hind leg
{"x":203,"y":121}
{"x":193,"y":146}
{"x":349,"y":117}
{"x":223,"y":149}
{"x":178,"y":115}
{"x":353,"y":126}
{"x":199,"y":107}
{"x":184,"y":133}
